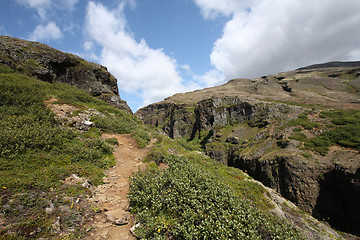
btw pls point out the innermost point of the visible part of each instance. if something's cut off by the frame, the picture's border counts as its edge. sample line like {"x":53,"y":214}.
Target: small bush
{"x":320,"y":145}
{"x":193,"y":145}
{"x":142,"y":137}
{"x":310,"y":125}
{"x":299,"y":137}
{"x":5,"y":69}
{"x":297,"y":129}
{"x":112,"y":124}
{"x":112,"y":141}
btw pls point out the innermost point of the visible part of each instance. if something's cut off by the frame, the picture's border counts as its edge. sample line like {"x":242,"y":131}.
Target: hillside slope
{"x":52,"y":154}
{"x":297,"y":132}
{"x":53,"y":160}
{"x":51,"y":65}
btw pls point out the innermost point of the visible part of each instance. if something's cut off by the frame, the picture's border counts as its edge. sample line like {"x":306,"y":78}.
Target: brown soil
{"x":111,"y":197}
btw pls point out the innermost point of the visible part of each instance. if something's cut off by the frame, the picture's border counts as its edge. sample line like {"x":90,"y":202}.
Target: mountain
{"x":59,"y":176}
{"x":297,"y":132}
{"x":335,"y":64}
{"x":51,"y":65}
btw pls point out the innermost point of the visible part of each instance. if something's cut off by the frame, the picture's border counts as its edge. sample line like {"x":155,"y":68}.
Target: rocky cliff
{"x":51,"y":65}
{"x":297,"y":132}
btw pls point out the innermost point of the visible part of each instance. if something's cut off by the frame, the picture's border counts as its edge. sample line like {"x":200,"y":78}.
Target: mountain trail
{"x":114,"y":220}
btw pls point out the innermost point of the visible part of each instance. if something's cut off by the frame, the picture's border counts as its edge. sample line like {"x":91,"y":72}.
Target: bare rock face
{"x":51,"y":65}
{"x":255,"y":125}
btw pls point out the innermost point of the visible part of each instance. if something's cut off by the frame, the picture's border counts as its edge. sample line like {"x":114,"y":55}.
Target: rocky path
{"x":114,"y":221}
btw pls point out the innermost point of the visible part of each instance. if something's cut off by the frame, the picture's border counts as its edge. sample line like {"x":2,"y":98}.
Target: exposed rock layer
{"x":51,"y":65}
{"x":247,"y":124}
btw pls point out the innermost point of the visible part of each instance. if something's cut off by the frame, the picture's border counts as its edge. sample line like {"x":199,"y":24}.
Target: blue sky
{"x":156,"y":48}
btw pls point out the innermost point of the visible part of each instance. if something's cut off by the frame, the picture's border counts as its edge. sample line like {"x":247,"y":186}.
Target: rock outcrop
{"x":270,"y":126}
{"x":51,"y":65}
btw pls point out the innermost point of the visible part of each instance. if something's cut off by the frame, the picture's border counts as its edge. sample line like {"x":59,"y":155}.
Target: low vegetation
{"x":38,"y":152}
{"x":342,"y":128}
{"x":193,"y":198}
{"x":346,"y":128}
{"x":197,"y":198}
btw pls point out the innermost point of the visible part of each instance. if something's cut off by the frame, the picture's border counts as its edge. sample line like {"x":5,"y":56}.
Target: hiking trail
{"x":114,"y":220}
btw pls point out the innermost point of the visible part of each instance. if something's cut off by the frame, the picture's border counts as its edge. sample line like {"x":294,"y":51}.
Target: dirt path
{"x":114,"y":222}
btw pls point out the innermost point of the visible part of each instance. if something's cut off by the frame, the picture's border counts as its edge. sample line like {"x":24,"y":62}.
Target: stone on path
{"x":118,"y":216}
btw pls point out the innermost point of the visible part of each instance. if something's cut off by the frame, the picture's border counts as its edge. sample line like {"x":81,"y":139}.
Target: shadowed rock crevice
{"x":339,"y":200}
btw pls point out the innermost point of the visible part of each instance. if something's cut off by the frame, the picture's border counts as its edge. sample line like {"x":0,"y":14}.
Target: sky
{"x":156,"y":48}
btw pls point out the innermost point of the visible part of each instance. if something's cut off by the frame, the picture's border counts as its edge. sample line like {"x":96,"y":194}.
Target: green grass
{"x":300,"y":104}
{"x":198,"y":198}
{"x":299,"y":137}
{"x":304,"y":121}
{"x":37,"y":153}
{"x":142,"y":137}
{"x":193,"y":145}
{"x":346,"y":128}
{"x":343,"y":128}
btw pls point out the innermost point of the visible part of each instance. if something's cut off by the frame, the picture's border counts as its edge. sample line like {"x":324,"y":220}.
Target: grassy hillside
{"x":38,"y":152}
{"x":195,"y":197}
{"x":47,"y":168}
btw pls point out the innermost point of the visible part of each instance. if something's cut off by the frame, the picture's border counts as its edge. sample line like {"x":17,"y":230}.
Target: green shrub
{"x":299,"y":136}
{"x":112,"y":141}
{"x":298,"y":129}
{"x":341,"y":117}
{"x":5,"y":69}
{"x":318,"y":144}
{"x":189,"y":202}
{"x":310,"y":125}
{"x":113,"y":124}
{"x":348,"y":135}
{"x":142,"y":137}
{"x":93,"y":133}
{"x":303,"y":121}
{"x":346,"y":131}
{"x":343,"y":130}
{"x":189,"y":145}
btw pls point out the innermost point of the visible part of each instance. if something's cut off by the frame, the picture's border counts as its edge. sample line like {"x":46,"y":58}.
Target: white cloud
{"x":69,"y":4}
{"x":210,"y":9}
{"x":41,"y":6}
{"x":211,"y":78}
{"x":88,"y":45}
{"x":269,"y":36}
{"x":185,"y":67}
{"x":46,"y":32}
{"x":137,"y":67}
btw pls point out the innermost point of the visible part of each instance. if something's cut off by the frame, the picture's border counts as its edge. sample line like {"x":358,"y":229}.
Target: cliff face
{"x":51,"y":65}
{"x":282,"y":130}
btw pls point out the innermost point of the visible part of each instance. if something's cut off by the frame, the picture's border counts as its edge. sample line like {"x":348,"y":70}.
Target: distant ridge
{"x":332,"y":65}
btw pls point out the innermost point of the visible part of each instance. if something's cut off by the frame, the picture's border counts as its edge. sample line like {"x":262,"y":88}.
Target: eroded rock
{"x":51,"y":65}
{"x":118,"y":216}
